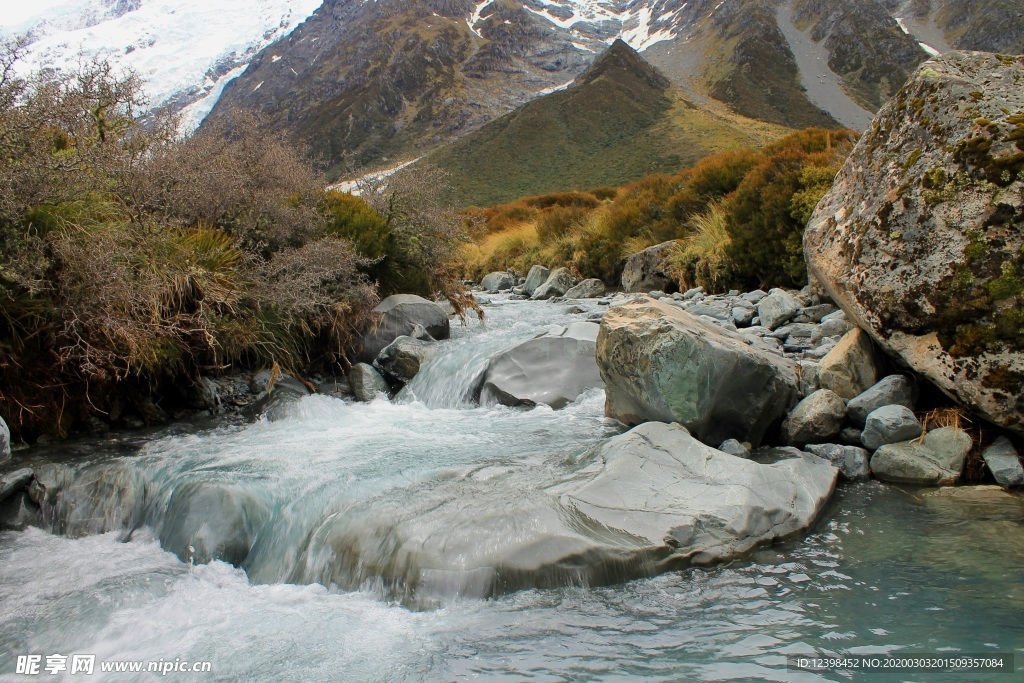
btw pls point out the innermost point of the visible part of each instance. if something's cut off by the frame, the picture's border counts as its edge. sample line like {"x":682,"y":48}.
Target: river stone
{"x":807,"y":374}
{"x":534,"y":279}
{"x":14,"y":482}
{"x":777,"y":308}
{"x":814,"y":314}
{"x":742,"y":316}
{"x":399,"y":315}
{"x":558,"y":283}
{"x":734,"y":447}
{"x":403,"y":358}
{"x":919,"y":239}
{"x":852,"y":461}
{"x":5,"y":440}
{"x":1003,"y":462}
{"x":659,"y":363}
{"x":816,"y":419}
{"x":851,"y":368}
{"x":218,"y":522}
{"x":588,"y":289}
{"x":498,"y":281}
{"x":649,"y":501}
{"x":650,"y":270}
{"x":889,"y":424}
{"x":834,"y":327}
{"x":553,"y":369}
{"x":891,"y":390}
{"x":284,"y":392}
{"x":935,"y":460}
{"x":366,"y":383}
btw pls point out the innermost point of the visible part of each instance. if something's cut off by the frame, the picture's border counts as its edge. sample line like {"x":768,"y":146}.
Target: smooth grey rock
{"x":820,"y":352}
{"x":816,"y":419}
{"x":553,"y":369}
{"x":209,"y":521}
{"x":5,"y":440}
{"x":935,"y":460}
{"x":831,"y":327}
{"x":534,"y":279}
{"x":649,"y":270}
{"x":403,"y":358}
{"x":807,"y":372}
{"x":558,"y":283}
{"x":734,"y":447}
{"x":814,"y":314}
{"x":661,"y":363}
{"x":588,"y":289}
{"x":366,"y":383}
{"x":14,"y":482}
{"x":498,"y":281}
{"x":716,"y":312}
{"x":853,"y":462}
{"x":1003,"y":462}
{"x":419,"y":332}
{"x":742,"y":316}
{"x":889,"y":424}
{"x":755,"y":296}
{"x":397,"y":316}
{"x":852,"y":367}
{"x":891,"y":390}
{"x":645,"y":502}
{"x":777,"y":308}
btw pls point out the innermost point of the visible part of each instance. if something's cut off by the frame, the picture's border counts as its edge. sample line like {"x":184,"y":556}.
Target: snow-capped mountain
{"x":184,"y":50}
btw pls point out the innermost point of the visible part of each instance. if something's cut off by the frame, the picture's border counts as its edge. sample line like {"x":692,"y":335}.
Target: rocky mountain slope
{"x":618,"y":121}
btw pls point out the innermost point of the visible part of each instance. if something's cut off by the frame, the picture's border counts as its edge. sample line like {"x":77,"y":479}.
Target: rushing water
{"x":887,"y":570}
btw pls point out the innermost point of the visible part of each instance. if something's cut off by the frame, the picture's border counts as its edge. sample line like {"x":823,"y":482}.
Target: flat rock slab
{"x":648,"y":501}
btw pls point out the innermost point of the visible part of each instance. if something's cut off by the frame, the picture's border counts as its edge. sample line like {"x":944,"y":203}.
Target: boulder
{"x":935,"y":460}
{"x":660,"y":363}
{"x":919,"y":239}
{"x":14,"y":482}
{"x":652,"y":500}
{"x":5,"y":440}
{"x":553,"y":369}
{"x":588,"y":289}
{"x":366,"y":382}
{"x":889,"y":424}
{"x":851,"y":368}
{"x":894,"y":390}
{"x":402,"y":359}
{"x":207,"y":521}
{"x":498,"y":281}
{"x":734,"y":447}
{"x":650,"y":270}
{"x":816,"y":419}
{"x":399,"y":315}
{"x":534,"y":279}
{"x":743,"y":316}
{"x":1003,"y":462}
{"x":282,"y":393}
{"x":853,"y":462}
{"x":558,"y":283}
{"x":777,"y":308}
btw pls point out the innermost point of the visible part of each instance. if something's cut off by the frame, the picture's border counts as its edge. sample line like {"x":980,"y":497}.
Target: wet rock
{"x":367,"y":384}
{"x":403,"y":358}
{"x":498,"y":282}
{"x":891,"y":390}
{"x":852,"y":367}
{"x":919,"y":238}
{"x":5,"y":440}
{"x":206,"y":521}
{"x":14,"y":482}
{"x":853,"y":462}
{"x":777,"y":308}
{"x":553,"y":369}
{"x":660,"y":363}
{"x":534,"y":279}
{"x":650,"y":270}
{"x":1003,"y":462}
{"x":588,"y":289}
{"x":282,"y":394}
{"x":889,"y":424}
{"x":399,"y":315}
{"x":558,"y":283}
{"x":935,"y":460}
{"x":816,"y":419}
{"x":419,"y":332}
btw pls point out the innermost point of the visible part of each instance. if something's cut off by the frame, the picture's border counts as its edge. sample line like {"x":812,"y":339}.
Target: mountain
{"x":619,"y":120}
{"x":184,"y":50}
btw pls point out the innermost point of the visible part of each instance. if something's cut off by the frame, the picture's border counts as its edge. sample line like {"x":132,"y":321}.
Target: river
{"x":886,"y":570}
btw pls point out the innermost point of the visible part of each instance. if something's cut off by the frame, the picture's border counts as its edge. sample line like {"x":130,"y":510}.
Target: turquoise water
{"x":885,"y":571}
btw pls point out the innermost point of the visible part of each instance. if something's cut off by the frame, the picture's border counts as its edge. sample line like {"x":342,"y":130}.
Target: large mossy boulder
{"x":652,"y":500}
{"x":650,"y":270}
{"x":553,"y":369}
{"x":660,"y":363}
{"x":921,"y":239}
{"x":398,"y":316}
